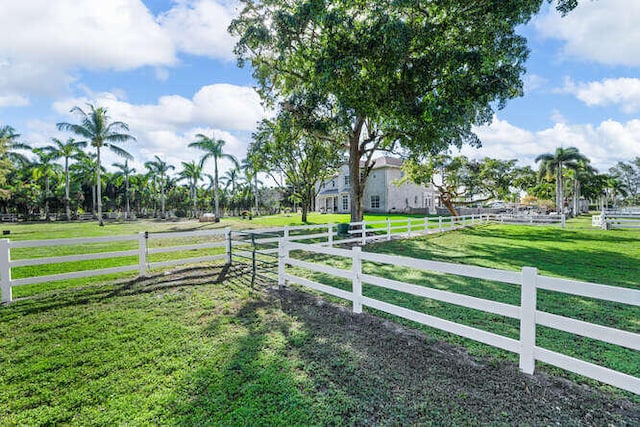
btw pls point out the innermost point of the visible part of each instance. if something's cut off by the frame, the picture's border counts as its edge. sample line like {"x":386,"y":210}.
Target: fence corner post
{"x":363,"y":234}
{"x":5,"y":270}
{"x":285,"y":231}
{"x":228,"y":247}
{"x":356,"y":270}
{"x":330,"y":236}
{"x":426,"y":225}
{"x":564,"y":220}
{"x":283,"y":255}
{"x":528,"y":300}
{"x":409,"y":228}
{"x":142,"y":253}
{"x":440,"y":224}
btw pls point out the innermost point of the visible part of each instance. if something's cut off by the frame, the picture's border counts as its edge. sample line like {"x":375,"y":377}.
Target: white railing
{"x":528,"y":280}
{"x":524,"y":219}
{"x":608,"y":220}
{"x":218,"y":238}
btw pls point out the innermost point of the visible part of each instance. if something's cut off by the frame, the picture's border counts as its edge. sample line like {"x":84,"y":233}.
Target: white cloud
{"x":605,"y":32}
{"x":200,"y":27}
{"x":623,"y":92}
{"x":605,"y":144}
{"x":44,"y":42}
{"x":166,"y":128}
{"x":533,"y":82}
{"x":13,"y":101}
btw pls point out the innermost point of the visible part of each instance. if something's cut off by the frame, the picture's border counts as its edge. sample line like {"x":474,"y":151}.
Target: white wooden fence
{"x":219,"y":238}
{"x":608,"y":220}
{"x":524,"y":219}
{"x":528,"y":280}
{"x":325,"y":233}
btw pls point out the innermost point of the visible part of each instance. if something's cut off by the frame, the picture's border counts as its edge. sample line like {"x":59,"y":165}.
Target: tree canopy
{"x":382,"y":73}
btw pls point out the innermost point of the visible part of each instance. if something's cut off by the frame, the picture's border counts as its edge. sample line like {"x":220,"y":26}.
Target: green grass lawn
{"x":576,"y":252}
{"x":171,"y":350}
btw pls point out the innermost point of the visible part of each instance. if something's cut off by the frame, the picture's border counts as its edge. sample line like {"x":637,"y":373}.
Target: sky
{"x":167,"y":69}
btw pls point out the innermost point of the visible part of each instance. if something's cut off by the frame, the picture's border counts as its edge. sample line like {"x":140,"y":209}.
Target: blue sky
{"x":167,"y":69}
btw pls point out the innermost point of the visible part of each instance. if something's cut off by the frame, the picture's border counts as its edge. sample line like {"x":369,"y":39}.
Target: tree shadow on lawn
{"x":303,"y":360}
{"x":190,"y":276}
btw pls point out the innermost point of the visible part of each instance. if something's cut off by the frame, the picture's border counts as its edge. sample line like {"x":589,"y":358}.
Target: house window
{"x":345,"y":203}
{"x":415,"y":201}
{"x":347,"y":180}
{"x":375,"y":202}
{"x":333,"y":183}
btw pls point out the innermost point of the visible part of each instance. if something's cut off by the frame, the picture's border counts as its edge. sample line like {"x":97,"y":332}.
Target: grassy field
{"x":188,"y":349}
{"x":577,"y":252}
{"x":61,"y":230}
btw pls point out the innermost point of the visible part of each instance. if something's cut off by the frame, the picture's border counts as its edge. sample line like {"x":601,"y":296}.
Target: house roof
{"x":387,"y":161}
{"x":328,"y":191}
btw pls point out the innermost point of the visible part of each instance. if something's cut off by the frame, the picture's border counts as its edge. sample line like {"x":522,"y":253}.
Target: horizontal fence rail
{"x":528,"y":280}
{"x":140,"y":256}
{"x":608,"y":220}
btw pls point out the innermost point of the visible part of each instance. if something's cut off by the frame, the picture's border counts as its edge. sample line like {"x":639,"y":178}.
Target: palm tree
{"x":160,"y":168}
{"x":583,"y":173}
{"x":67,"y":150}
{"x":213,"y":148}
{"x":9,"y":138}
{"x":553,"y":164}
{"x":192,"y":172}
{"x":95,"y":127}
{"x":43,"y":168}
{"x":124,"y":172}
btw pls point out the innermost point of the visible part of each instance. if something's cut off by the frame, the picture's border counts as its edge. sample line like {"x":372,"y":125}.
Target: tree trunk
{"x":162,"y":213}
{"x":127,"y":208}
{"x":99,"y":189}
{"x":357,"y":187}
{"x":446,"y":201}
{"x":194,"y":195}
{"x":46,"y":198}
{"x":215,"y":187}
{"x":67,"y":208}
{"x":255,"y":191}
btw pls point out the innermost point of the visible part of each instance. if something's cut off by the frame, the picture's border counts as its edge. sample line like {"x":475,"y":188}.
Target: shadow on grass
{"x":191,"y":276}
{"x":301,"y":360}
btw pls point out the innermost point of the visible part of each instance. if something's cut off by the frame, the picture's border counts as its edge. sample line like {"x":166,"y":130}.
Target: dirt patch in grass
{"x":400,"y":376}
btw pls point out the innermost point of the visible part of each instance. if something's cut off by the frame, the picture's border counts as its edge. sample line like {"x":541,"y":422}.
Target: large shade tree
{"x":304,"y":159}
{"x":70,"y":149}
{"x":381,"y":73}
{"x":554,"y":165}
{"x":213,"y":149}
{"x":96,"y":127}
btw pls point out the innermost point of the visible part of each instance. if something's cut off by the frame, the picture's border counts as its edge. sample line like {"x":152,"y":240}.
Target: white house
{"x":381,"y":193}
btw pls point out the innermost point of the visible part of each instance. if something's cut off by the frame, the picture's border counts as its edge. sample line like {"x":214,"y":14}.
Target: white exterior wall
{"x":393,"y":198}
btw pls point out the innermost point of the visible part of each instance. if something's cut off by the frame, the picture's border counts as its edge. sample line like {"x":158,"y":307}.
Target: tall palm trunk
{"x":127,"y":214}
{"x":67,"y":203}
{"x":162,"y":213}
{"x":215,"y":188}
{"x":194,"y":196}
{"x":99,"y":189}
{"x":46,"y":197}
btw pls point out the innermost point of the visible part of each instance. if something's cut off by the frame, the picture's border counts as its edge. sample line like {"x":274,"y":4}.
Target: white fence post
{"x":440,"y":223}
{"x":564,"y":220}
{"x":426,"y":225}
{"x":528,"y":300}
{"x":229,"y":247}
{"x":283,"y":255}
{"x":409,"y":228}
{"x":388,"y":229}
{"x":5,"y":270}
{"x":356,"y":269}
{"x":286,"y":233}
{"x":364,"y":233}
{"x":330,"y":237}
{"x":143,"y":236}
